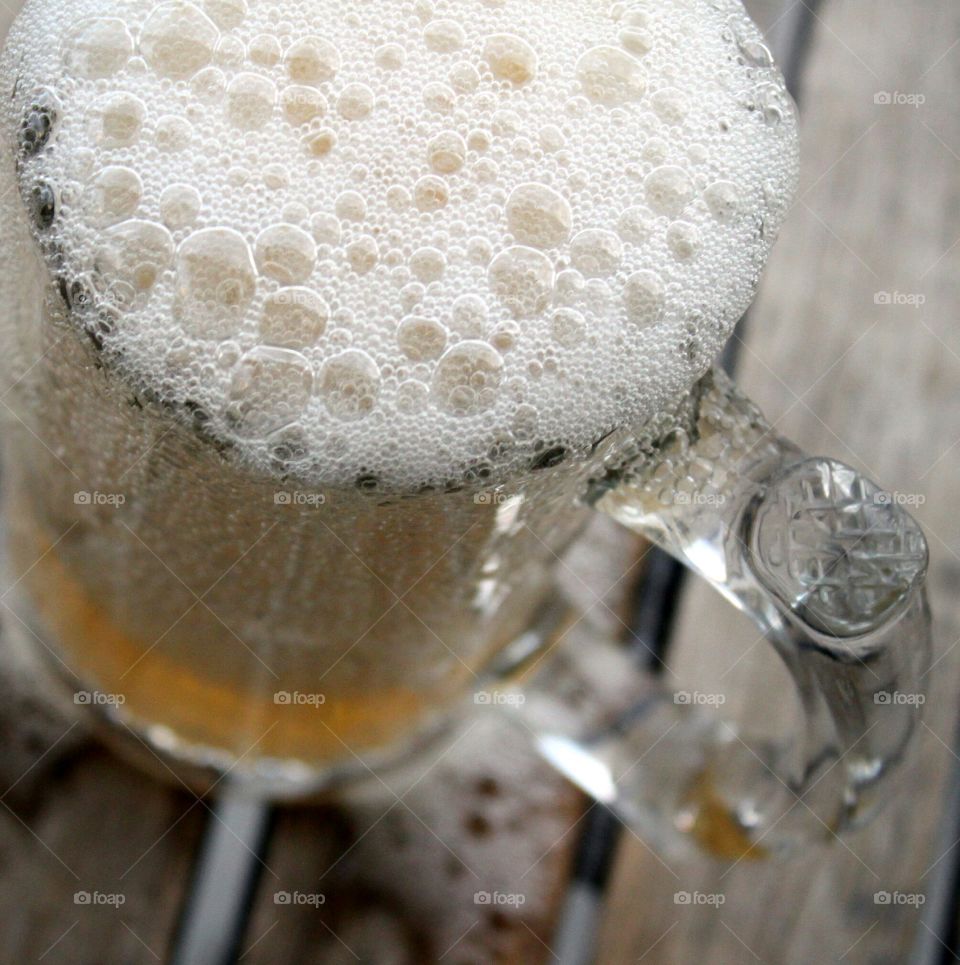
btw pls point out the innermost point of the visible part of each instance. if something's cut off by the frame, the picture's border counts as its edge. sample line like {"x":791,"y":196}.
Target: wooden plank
{"x":875,"y":385}
{"x":75,"y":819}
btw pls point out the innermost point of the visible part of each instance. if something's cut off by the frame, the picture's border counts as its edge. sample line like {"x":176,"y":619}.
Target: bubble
{"x":468,"y":316}
{"x":294,"y":318}
{"x":412,"y":396}
{"x":230,"y":52}
{"x":611,"y":77}
{"x":634,"y":225}
{"x":596,"y":252}
{"x":325,"y":229}
{"x":669,"y":190}
{"x":226,"y":14}
{"x":312,"y":60}
{"x":538,"y":216}
{"x":43,"y":205}
{"x":467,"y":377}
{"x":464,"y":77}
{"x":723,"y":200}
{"x":178,"y":39}
{"x":350,"y":206}
{"x":115,"y":195}
{"x":216,"y":281}
{"x":355,"y":102}
{"x":116,"y":119}
{"x":390,"y":57}
{"x":446,"y":152}
{"x":209,"y":84}
{"x":510,"y":58}
{"x":505,"y":336}
{"x":568,"y":327}
{"x":135,"y":253}
{"x":363,"y":254}
{"x":270,"y":389}
{"x":421,"y":339}
{"x":644,"y":298}
{"x":428,"y":264}
{"x":322,"y":142}
{"x":250,"y":101}
{"x":179,"y":206}
{"x":286,"y":253}
{"x":444,"y":36}
{"x":430,"y":193}
{"x":683,"y":239}
{"x":302,"y":104}
{"x":522,"y":278}
{"x":265,"y":50}
{"x":173,"y":133}
{"x":439,"y":97}
{"x":97,"y":47}
{"x":350,"y":385}
{"x":551,"y":138}
{"x":636,"y":39}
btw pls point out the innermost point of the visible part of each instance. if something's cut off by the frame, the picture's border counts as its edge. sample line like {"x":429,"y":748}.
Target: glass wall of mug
{"x":226,"y":615}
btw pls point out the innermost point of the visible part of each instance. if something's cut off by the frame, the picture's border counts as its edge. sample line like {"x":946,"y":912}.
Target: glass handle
{"x":831,"y":568}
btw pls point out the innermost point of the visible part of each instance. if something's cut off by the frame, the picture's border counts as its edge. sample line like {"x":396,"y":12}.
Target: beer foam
{"x":407,"y":242}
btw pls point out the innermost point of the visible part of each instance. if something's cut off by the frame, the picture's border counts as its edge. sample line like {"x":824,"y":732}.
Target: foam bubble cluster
{"x":427,"y":240}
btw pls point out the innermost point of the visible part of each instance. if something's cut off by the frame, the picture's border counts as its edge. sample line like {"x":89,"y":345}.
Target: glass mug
{"x":293,"y":637}
{"x":290,"y":636}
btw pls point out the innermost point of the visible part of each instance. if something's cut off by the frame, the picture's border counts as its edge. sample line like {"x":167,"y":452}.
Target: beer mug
{"x":325,"y":335}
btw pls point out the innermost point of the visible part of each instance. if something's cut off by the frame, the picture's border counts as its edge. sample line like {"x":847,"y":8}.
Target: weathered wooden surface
{"x":876,"y":385}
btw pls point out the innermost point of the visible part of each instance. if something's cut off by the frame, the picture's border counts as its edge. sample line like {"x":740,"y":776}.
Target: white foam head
{"x":402,"y":239}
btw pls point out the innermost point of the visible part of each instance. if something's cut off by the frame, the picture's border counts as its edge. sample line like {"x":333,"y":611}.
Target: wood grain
{"x":874,"y":385}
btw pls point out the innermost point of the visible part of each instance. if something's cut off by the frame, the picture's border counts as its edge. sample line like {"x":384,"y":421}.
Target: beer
{"x":321,"y":317}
